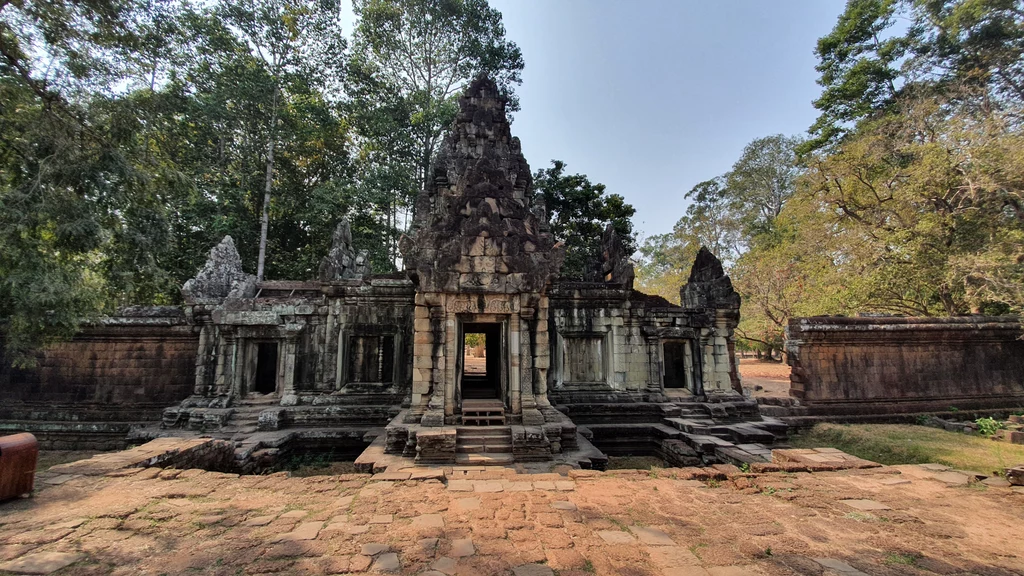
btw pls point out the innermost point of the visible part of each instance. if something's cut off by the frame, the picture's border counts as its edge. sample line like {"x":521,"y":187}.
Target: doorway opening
{"x":676,"y":364}
{"x":481,"y":361}
{"x":266,"y":368}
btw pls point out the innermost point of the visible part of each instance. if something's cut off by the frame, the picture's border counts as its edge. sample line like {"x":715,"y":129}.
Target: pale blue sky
{"x":651,"y":97}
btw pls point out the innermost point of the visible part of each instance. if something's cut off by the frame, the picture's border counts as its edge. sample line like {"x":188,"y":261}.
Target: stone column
{"x":204,"y":358}
{"x":542,"y":353}
{"x":226,"y":363}
{"x":288,"y":377}
{"x":514,"y":374}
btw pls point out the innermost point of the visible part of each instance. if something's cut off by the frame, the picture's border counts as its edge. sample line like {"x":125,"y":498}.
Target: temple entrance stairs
{"x":483,"y":445}
{"x":245,"y":415}
{"x":483,"y":413}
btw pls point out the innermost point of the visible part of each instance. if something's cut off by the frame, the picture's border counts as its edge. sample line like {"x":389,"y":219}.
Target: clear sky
{"x":651,"y":97}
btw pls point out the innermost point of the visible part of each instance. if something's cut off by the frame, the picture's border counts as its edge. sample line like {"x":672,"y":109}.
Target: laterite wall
{"x":892,"y":365}
{"x":122,"y":370}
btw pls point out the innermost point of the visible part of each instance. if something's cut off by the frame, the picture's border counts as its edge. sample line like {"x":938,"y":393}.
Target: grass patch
{"x":907,"y":444}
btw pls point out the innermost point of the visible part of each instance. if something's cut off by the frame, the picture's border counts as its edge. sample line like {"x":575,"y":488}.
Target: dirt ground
{"x":492,"y":522}
{"x":773,"y":377}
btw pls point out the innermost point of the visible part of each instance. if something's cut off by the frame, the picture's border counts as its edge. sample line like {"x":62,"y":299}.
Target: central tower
{"x":482,"y":257}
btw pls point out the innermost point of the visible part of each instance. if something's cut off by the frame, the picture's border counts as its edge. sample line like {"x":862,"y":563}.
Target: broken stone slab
{"x":952,"y":478}
{"x":865,"y":505}
{"x":305,"y":531}
{"x":460,"y":485}
{"x":462,"y":547}
{"x":1015,"y":475}
{"x":428,"y":521}
{"x":373,"y":548}
{"x":652,"y":536}
{"x":996,"y":482}
{"x":445,"y":565}
{"x":387,"y":562}
{"x":41,"y":562}
{"x":563,"y":505}
{"x":616,"y":537}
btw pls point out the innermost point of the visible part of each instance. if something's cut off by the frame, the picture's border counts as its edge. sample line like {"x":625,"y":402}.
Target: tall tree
{"x":72,"y":189}
{"x":294,"y":41}
{"x":420,"y":55}
{"x":580,"y":211}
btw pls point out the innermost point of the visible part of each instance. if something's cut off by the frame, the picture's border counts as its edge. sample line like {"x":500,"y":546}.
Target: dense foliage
{"x":135,"y":134}
{"x":905,"y":197}
{"x":579,"y":211}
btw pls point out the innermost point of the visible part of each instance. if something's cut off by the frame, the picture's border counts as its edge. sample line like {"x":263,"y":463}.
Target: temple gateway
{"x":557,"y":370}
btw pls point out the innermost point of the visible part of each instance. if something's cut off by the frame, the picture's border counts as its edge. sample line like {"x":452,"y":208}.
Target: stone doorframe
{"x":695,"y":347}
{"x":237,"y":352}
{"x":454,"y":395}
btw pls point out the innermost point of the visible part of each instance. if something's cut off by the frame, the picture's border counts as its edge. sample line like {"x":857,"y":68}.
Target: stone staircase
{"x":245,"y":416}
{"x":483,"y":445}
{"x":483,"y":413}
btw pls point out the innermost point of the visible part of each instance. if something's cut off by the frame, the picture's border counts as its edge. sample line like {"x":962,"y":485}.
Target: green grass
{"x":906,"y":444}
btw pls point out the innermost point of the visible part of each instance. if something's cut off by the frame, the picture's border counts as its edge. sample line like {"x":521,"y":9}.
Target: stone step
{"x":483,"y":459}
{"x":483,"y":420}
{"x":483,"y":440}
{"x":484,"y":448}
{"x":484,"y":430}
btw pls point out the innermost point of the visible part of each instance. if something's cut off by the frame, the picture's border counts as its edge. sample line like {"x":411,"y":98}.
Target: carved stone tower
{"x":482,"y":257}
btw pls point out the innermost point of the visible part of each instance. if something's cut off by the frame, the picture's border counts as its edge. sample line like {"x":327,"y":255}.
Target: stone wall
{"x":901,"y":365}
{"x":124,"y":369}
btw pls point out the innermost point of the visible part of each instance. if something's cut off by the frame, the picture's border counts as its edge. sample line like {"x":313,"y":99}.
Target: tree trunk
{"x":268,"y":185}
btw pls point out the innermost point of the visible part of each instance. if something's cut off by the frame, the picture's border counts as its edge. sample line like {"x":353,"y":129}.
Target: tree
{"x":579,"y":212}
{"x":293,"y":41}
{"x":65,"y":178}
{"x":709,"y":221}
{"x":760,"y":183}
{"x":870,"y":60}
{"x":928,"y":203}
{"x":860,"y":69}
{"x":411,"y":59}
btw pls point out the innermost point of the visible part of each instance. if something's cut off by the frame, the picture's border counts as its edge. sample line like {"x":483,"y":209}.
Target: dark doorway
{"x":481,"y":361}
{"x":266,"y":368}
{"x":675,"y":363}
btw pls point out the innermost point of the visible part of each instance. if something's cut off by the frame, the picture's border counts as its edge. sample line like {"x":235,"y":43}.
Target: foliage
{"x":136,"y":134}
{"x":926,"y":204}
{"x":410,"y":61}
{"x":893,"y":444}
{"x":906,"y":198}
{"x":579,"y":212}
{"x":737,"y":216}
{"x":989,"y":426}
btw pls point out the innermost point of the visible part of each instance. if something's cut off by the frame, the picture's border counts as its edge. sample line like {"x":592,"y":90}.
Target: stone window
{"x":372,"y":359}
{"x":584,"y":359}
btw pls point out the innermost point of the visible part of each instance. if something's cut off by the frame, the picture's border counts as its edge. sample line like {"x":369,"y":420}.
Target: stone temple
{"x":378,"y":363}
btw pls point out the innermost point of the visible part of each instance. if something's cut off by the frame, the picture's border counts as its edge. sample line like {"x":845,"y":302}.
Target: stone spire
{"x":476,"y":226}
{"x":222,"y":276}
{"x":343,"y":263}
{"x":612,"y":263}
{"x":708,"y":286}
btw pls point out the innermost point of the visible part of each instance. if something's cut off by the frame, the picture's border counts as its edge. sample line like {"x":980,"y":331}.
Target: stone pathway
{"x":692,"y":522}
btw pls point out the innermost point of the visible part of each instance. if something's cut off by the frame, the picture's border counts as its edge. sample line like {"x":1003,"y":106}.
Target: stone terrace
{"x":697,"y":521}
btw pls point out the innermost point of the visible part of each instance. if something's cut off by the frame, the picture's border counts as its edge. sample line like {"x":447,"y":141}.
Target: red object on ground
{"x":18,"y":456}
